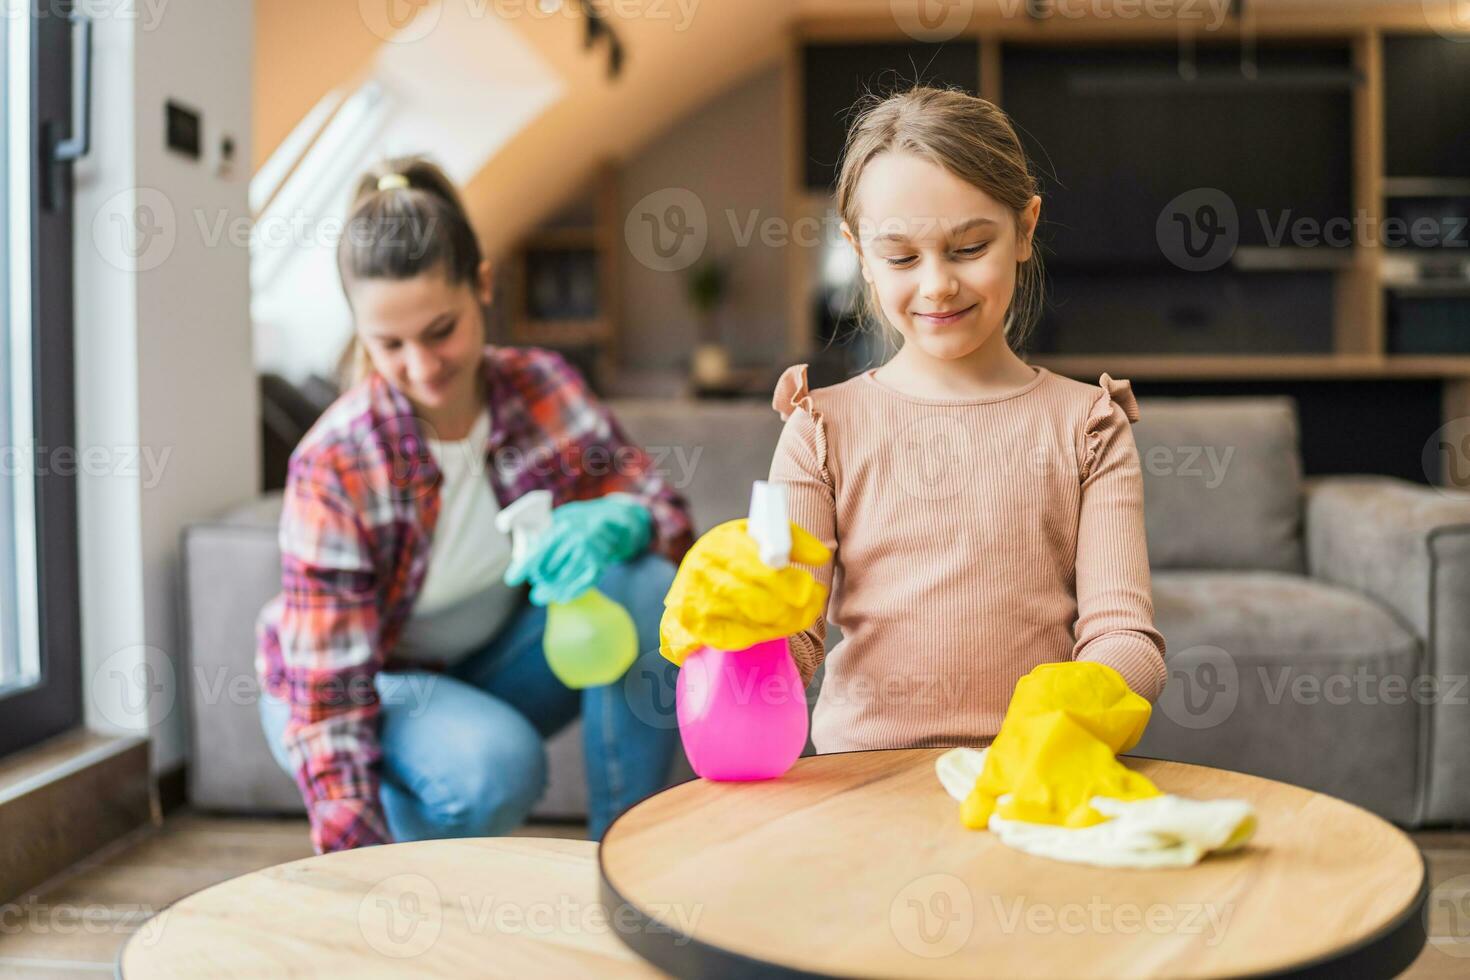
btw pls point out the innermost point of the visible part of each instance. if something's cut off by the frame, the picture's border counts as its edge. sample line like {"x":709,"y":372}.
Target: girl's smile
{"x":944,"y":318}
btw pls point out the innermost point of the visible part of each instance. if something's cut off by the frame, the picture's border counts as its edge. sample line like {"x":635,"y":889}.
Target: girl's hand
{"x":586,"y":536}
{"x":1057,"y":747}
{"x":725,"y":597}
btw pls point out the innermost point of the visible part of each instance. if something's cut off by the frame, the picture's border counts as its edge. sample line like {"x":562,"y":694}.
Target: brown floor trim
{"x":64,"y":800}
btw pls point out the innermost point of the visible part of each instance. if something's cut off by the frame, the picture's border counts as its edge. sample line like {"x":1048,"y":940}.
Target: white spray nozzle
{"x":769,"y":523}
{"x":525,"y":520}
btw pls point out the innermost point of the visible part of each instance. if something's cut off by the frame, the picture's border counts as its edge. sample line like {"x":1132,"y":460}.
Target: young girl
{"x":406,"y":687}
{"x":983,"y":516}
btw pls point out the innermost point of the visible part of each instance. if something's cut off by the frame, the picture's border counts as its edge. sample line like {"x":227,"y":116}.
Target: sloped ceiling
{"x":678,"y":53}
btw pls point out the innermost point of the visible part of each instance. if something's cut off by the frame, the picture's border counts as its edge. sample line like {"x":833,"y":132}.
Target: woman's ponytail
{"x":406,"y":219}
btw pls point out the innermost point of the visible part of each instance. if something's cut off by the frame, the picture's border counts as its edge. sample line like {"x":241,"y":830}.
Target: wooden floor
{"x":74,"y":925}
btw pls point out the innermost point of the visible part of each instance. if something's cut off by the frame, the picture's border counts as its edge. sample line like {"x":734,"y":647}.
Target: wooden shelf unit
{"x":590,"y":224}
{"x":1246,"y":366}
{"x":836,"y":20}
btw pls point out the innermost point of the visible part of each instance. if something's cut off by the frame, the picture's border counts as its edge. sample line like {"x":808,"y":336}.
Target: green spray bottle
{"x":589,"y":641}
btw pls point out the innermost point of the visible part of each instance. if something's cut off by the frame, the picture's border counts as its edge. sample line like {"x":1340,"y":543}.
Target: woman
{"x":405,"y":685}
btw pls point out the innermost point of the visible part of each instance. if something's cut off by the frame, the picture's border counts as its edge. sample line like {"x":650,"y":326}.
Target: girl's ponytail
{"x":406,"y":219}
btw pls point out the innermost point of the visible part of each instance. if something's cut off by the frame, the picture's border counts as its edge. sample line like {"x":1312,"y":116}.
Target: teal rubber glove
{"x":585,"y":537}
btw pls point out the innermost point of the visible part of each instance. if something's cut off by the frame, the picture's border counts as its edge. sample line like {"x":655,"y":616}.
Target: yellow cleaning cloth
{"x":1157,"y":832}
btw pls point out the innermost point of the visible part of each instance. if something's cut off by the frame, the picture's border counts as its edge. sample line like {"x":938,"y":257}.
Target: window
{"x":40,"y":656}
{"x":19,"y":661}
{"x":461,"y":92}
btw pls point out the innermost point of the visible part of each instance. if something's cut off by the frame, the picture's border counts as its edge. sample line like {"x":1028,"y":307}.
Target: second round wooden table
{"x":520,"y":907}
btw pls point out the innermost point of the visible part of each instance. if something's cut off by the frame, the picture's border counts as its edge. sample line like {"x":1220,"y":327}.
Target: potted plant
{"x":707,"y":285}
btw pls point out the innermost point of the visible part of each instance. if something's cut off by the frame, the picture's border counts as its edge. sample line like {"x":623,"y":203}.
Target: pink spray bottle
{"x":742,"y":713}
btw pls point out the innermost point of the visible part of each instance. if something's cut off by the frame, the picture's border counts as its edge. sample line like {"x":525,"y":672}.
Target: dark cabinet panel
{"x":1175,"y":312}
{"x":1118,"y":136}
{"x":836,"y":76}
{"x":1429,"y":322}
{"x":1426,"y":107}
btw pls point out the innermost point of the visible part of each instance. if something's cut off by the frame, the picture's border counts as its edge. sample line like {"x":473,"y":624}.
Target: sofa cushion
{"x":1267,"y":670}
{"x":1222,"y":482}
{"x":1270,"y":616}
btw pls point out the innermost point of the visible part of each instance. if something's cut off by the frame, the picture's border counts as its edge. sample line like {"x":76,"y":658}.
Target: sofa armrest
{"x":231,"y":566}
{"x":1408,"y":546}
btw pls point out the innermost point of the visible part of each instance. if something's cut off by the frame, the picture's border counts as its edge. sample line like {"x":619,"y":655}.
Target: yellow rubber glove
{"x":725,"y":597}
{"x":1057,"y":745}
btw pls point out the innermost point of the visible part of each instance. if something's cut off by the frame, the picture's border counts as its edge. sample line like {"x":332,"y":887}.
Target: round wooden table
{"x":856,"y":864}
{"x":484,"y":907}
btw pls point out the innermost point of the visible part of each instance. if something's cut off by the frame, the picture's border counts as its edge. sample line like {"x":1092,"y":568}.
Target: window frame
{"x":53,"y":704}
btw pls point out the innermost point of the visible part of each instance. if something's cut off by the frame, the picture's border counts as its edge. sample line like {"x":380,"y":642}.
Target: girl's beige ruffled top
{"x":973,"y":539}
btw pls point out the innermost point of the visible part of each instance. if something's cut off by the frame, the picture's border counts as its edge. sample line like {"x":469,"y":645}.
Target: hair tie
{"x":392,"y":181}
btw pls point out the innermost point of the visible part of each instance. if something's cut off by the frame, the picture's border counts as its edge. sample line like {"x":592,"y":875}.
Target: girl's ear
{"x":484,"y":282}
{"x":857,"y":249}
{"x":1027,"y":230}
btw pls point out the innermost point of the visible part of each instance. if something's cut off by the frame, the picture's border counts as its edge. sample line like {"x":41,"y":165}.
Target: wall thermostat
{"x":183,"y":129}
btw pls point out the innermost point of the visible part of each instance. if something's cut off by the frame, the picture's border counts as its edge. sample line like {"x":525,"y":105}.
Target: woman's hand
{"x":586,"y":536}
{"x":725,"y":597}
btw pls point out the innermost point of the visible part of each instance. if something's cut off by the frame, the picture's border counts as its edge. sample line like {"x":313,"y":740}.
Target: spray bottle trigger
{"x":769,"y":523}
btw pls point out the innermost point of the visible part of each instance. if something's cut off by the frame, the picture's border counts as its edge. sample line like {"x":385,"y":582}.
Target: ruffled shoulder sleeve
{"x":1119,"y":391}
{"x":1101,"y":418}
{"x":793,"y":394}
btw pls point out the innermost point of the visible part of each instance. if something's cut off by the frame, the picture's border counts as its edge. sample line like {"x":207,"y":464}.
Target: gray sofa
{"x":1318,"y":631}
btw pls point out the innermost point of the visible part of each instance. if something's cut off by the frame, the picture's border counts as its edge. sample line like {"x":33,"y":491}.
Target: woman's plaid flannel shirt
{"x":361,"y":502}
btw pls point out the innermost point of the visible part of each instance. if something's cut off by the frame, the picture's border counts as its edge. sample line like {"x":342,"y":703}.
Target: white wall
{"x":730,"y":153}
{"x":165,"y":380}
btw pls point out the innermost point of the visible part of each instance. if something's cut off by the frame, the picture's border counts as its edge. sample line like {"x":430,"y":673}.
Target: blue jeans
{"x":463,"y":752}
